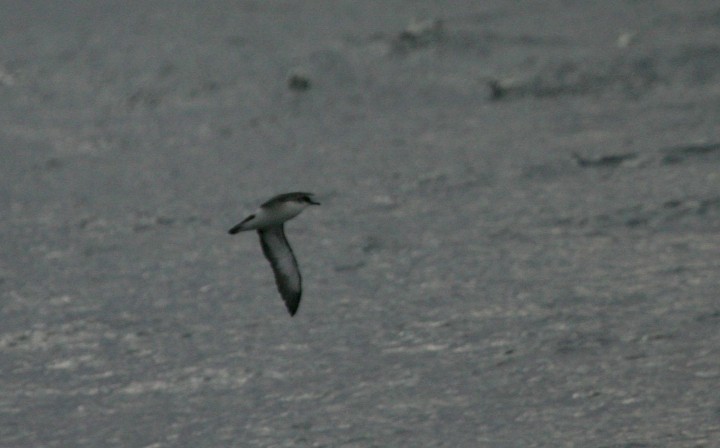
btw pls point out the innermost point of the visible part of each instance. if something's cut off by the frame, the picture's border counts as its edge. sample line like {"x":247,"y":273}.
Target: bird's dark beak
{"x":311,"y":202}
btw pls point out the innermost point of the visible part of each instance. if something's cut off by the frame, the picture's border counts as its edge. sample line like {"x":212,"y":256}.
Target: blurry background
{"x":518,"y":242}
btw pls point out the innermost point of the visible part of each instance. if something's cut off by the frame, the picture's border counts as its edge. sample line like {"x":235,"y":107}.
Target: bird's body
{"x":268,"y":221}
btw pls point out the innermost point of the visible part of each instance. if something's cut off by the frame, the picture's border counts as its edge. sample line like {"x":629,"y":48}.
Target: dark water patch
{"x":708,"y":317}
{"x":633,"y":216}
{"x":630,"y":445}
{"x":708,"y":206}
{"x":606,"y":161}
{"x":649,"y":215}
{"x":145,"y":97}
{"x":683,"y":153}
{"x":632,"y":77}
{"x":543,"y":171}
{"x":660,"y":336}
{"x":525,"y":40}
{"x":51,"y":164}
{"x":299,"y":82}
{"x":631,"y":74}
{"x":699,"y":63}
{"x":710,"y":17}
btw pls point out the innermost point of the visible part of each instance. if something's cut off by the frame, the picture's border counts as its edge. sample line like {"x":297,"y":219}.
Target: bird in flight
{"x":268,"y":220}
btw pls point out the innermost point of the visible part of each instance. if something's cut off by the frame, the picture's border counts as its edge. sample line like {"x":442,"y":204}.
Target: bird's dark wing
{"x":280,"y":255}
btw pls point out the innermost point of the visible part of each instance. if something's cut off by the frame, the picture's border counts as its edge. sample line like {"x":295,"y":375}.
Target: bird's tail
{"x":240,"y":226}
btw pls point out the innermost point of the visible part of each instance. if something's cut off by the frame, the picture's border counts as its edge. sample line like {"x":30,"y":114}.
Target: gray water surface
{"x":517,"y":247}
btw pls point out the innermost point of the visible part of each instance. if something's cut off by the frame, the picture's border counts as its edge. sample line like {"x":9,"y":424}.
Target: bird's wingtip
{"x":293,"y":308}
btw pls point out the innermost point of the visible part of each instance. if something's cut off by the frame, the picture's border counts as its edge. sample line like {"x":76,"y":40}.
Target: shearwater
{"x":269,"y":222}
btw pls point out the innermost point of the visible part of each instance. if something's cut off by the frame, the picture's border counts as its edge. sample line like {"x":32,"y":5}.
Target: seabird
{"x":268,"y":220}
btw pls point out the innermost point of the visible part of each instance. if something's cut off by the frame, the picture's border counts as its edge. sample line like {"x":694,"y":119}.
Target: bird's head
{"x":305,"y":199}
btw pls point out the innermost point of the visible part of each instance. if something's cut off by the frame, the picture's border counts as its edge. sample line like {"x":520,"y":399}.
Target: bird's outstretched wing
{"x":280,"y":255}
